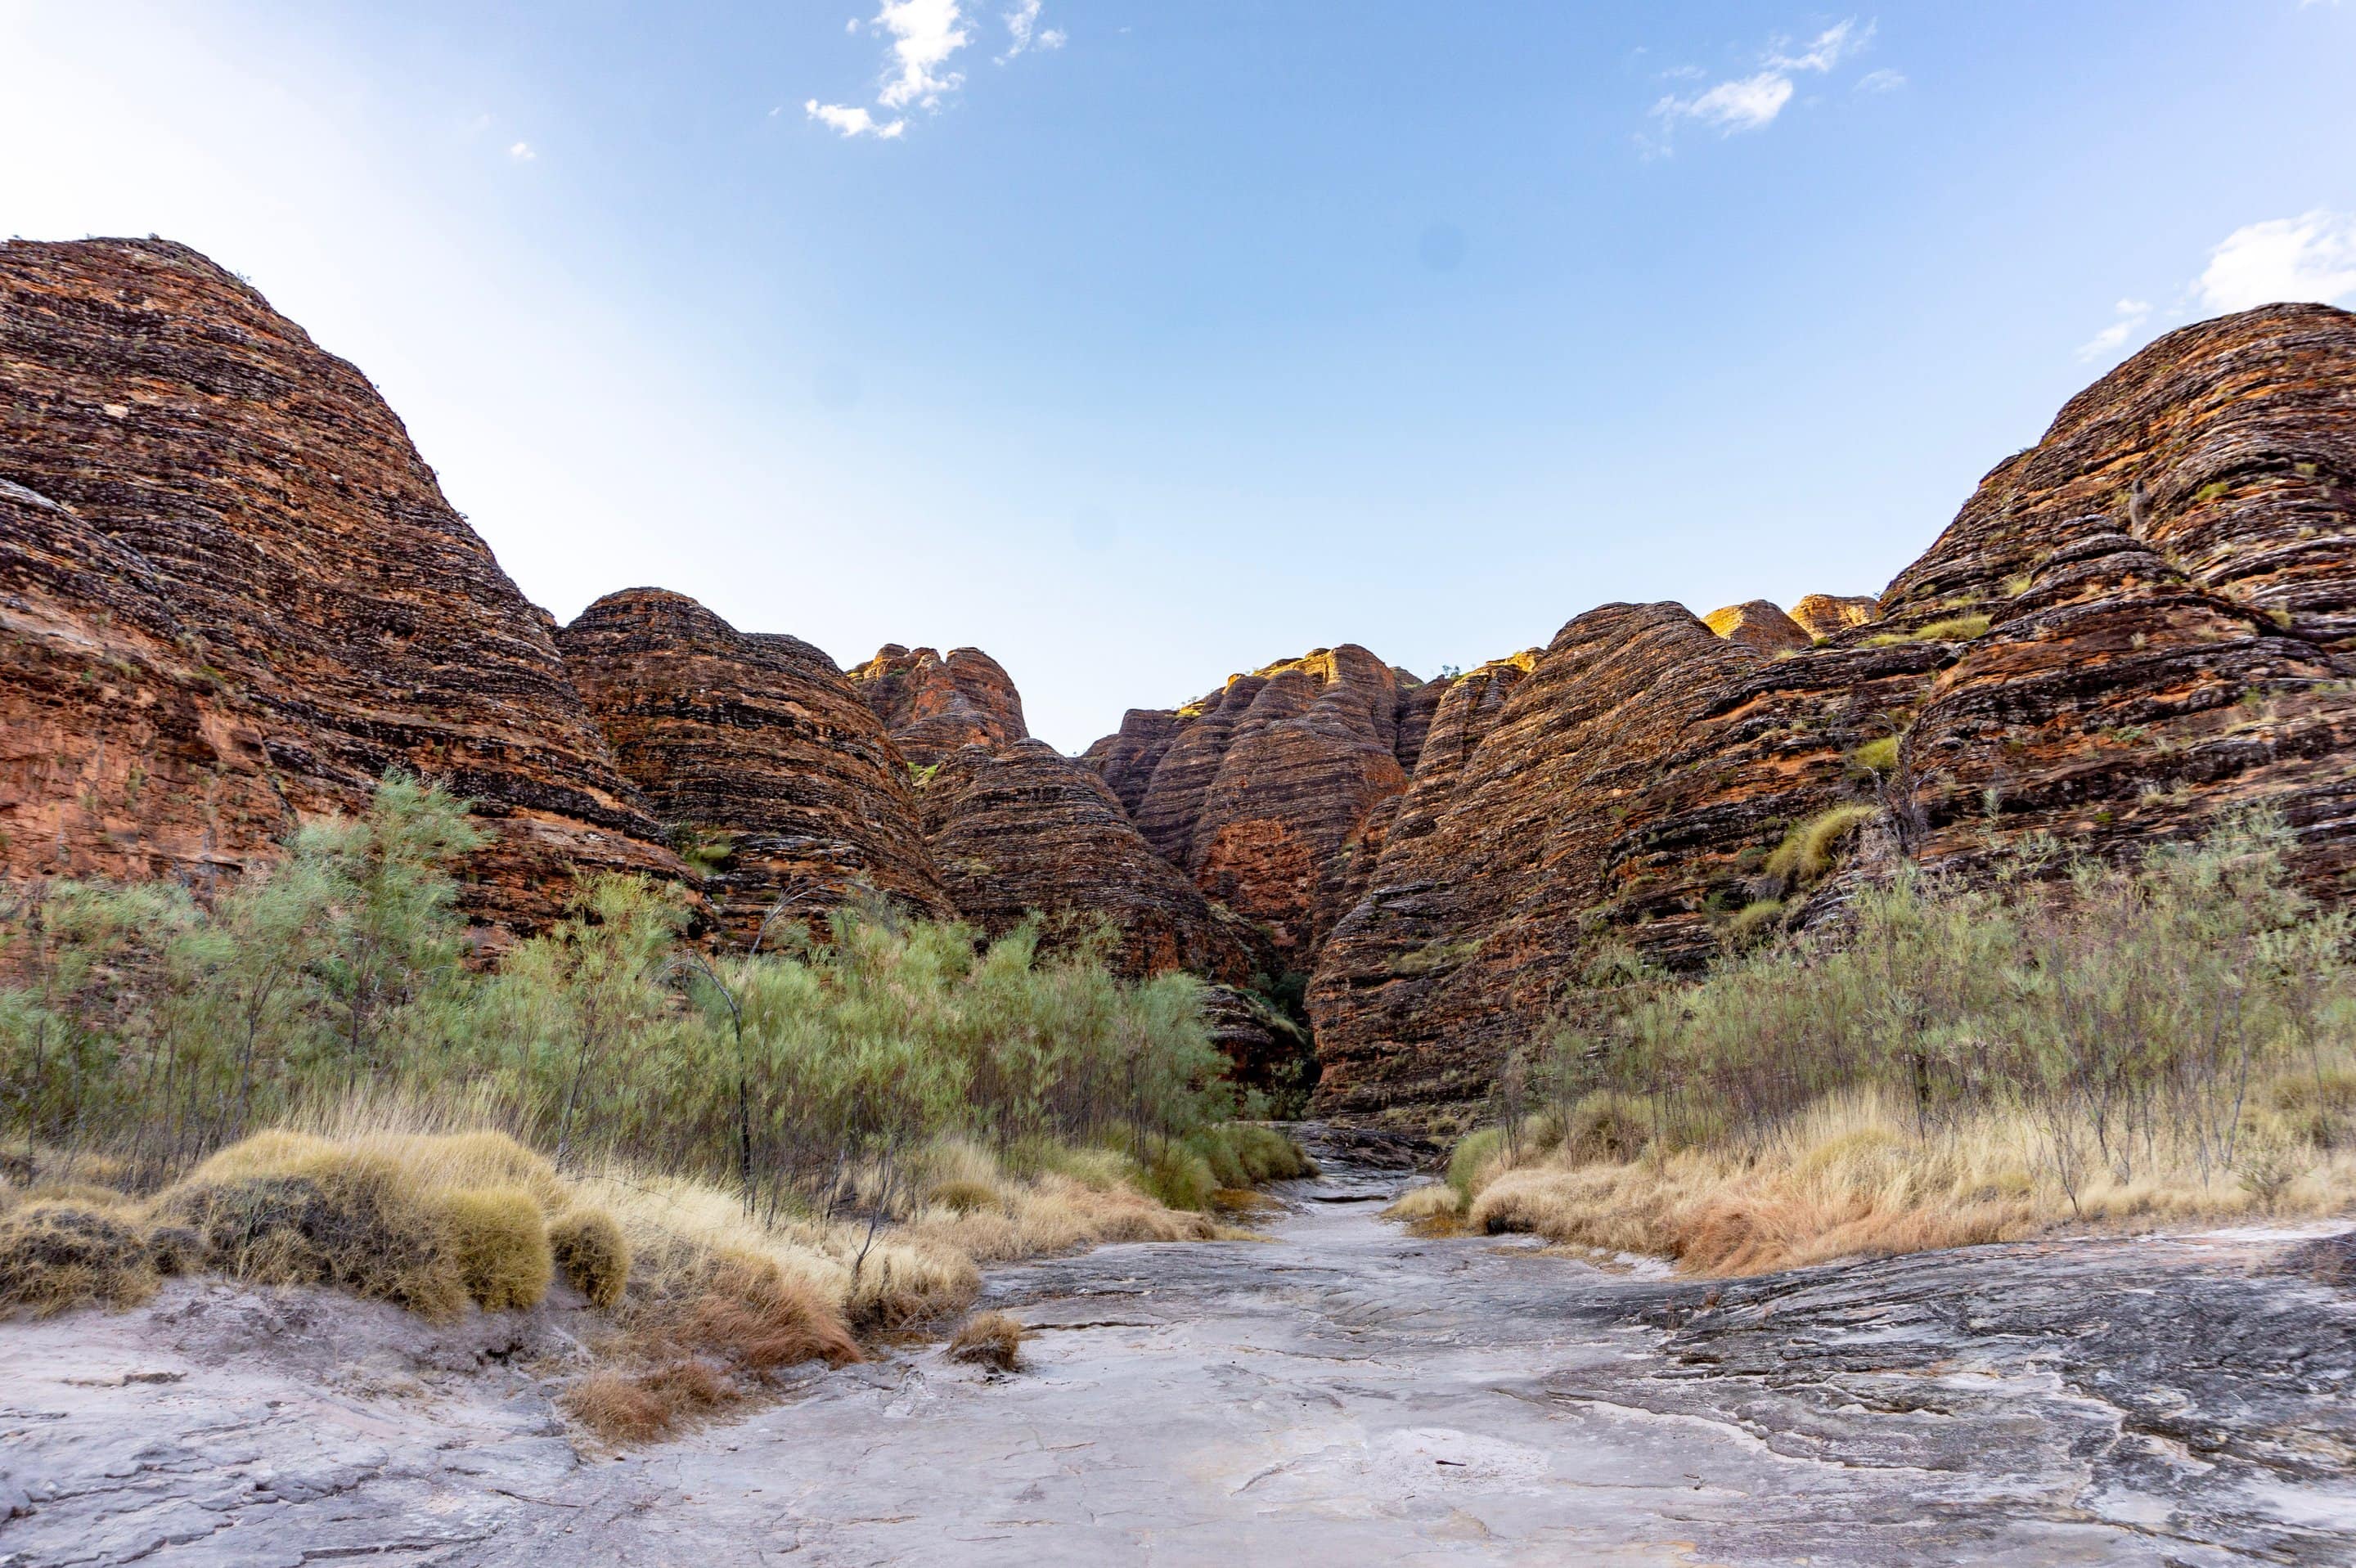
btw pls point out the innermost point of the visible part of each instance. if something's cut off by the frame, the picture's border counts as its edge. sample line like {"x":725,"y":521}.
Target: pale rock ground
{"x":1344,"y":1393}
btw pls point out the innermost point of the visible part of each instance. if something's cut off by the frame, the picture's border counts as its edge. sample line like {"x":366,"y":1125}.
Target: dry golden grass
{"x":1436,"y":1210}
{"x":652,"y":1403}
{"x":1853,"y":1177}
{"x":1053,"y":1214}
{"x":393,"y":1202}
{"x":500,"y":1235}
{"x":57,"y":1254}
{"x":993,"y":1340}
{"x":589,"y":1250}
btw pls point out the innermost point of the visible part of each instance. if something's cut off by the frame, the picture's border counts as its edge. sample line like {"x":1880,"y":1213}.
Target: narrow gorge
{"x":232,"y":597}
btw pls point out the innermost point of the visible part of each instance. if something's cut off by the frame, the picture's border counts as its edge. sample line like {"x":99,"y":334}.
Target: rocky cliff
{"x":1760,"y":624}
{"x":232,"y":597}
{"x":1260,"y":790}
{"x":933,"y":705}
{"x":1027,"y":828}
{"x":2138,"y":625}
{"x":754,"y":751}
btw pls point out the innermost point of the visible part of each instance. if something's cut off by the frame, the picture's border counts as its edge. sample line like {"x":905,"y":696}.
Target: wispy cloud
{"x":1752,"y":102}
{"x":852,"y":120}
{"x":1827,"y":49}
{"x":2131,"y":316}
{"x":2311,"y":257}
{"x":1749,"y":104}
{"x":521,"y":152}
{"x":1024,"y":31}
{"x":926,"y":38}
{"x":1883,"y":80}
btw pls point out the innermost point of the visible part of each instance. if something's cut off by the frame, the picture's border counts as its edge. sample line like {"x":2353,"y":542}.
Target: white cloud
{"x":1883,"y":80}
{"x":924,"y":34}
{"x":1748,"y":105}
{"x":2132,"y":315}
{"x":1827,"y":49}
{"x":2312,"y":257}
{"x":1752,"y":102}
{"x":1023,"y":32}
{"x":521,"y":153}
{"x":852,"y":120}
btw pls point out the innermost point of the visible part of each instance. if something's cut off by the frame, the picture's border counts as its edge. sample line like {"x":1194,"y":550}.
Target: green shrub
{"x":2152,"y":1005}
{"x":1176,"y":1176}
{"x":1880,"y":756}
{"x":1472,"y":1154}
{"x":1220,"y":1155}
{"x":133,"y":1016}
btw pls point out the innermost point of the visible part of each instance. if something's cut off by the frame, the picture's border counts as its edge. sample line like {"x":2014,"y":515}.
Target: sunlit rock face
{"x":2139,"y":625}
{"x":933,"y":705}
{"x":1758,"y":624}
{"x":2170,"y":584}
{"x":1827,"y":615}
{"x":757,"y":756}
{"x":231,"y":596}
{"x":1260,"y":790}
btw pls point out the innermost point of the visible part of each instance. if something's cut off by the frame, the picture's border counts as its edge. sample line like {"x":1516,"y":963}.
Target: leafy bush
{"x":2132,"y":1009}
{"x":135,"y":1018}
{"x":1472,"y":1156}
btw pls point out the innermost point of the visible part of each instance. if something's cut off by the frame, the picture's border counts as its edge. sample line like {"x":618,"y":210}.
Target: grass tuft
{"x":1954,"y":629}
{"x":57,"y":1254}
{"x":500,"y":1238}
{"x":1806,"y":851}
{"x":993,"y":1340}
{"x":589,"y":1250}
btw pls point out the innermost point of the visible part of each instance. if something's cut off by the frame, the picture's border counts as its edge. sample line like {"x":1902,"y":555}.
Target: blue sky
{"x":1187,"y":336}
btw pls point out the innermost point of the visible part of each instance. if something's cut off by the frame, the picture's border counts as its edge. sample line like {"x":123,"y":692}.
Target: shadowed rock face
{"x":933,"y":705}
{"x":1258,"y":790}
{"x":1029,"y":828}
{"x":2071,"y":656}
{"x":756,"y":744}
{"x":232,"y":597}
{"x":1758,"y":624}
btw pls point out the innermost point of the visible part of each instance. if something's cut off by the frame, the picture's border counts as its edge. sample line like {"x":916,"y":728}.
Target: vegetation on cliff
{"x":1959,"y":1062}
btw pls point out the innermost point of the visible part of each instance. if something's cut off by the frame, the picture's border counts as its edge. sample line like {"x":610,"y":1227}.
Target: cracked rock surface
{"x":1346,"y":1393}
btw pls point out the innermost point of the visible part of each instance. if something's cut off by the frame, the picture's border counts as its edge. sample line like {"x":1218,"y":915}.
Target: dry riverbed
{"x":1346,"y":1393}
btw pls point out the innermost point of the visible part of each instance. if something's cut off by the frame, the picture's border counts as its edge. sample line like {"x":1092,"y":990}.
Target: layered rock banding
{"x":233,"y":596}
{"x":1027,"y":829}
{"x":754,"y":751}
{"x":2140,"y":625}
{"x":933,"y":705}
{"x":1259,"y":789}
